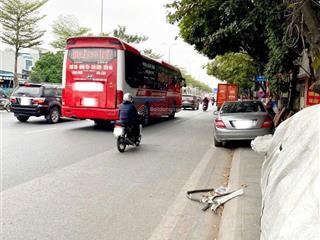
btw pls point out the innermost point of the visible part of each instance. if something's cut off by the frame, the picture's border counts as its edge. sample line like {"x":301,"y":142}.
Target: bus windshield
{"x":86,"y":64}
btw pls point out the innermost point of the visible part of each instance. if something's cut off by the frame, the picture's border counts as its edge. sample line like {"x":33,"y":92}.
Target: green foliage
{"x":258,"y":28}
{"x":283,"y":49}
{"x":238,"y":68}
{"x":120,"y":32}
{"x":216,"y":27}
{"x":149,"y":52}
{"x":19,"y":20}
{"x":192,"y":82}
{"x":65,"y":27}
{"x":316,"y":63}
{"x":48,"y":68}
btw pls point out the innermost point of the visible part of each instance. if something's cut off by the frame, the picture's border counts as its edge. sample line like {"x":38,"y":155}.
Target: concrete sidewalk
{"x":241,"y":215}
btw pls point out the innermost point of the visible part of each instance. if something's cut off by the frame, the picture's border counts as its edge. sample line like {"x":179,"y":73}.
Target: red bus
{"x":97,"y":71}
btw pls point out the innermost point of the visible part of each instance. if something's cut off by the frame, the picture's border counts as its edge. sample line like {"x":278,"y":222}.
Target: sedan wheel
{"x":216,"y":142}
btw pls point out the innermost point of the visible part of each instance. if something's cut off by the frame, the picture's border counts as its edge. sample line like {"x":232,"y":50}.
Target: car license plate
{"x":24,"y":101}
{"x":243,"y":124}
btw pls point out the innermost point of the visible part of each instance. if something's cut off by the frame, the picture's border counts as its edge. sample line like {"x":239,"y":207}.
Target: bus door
{"x":91,"y":77}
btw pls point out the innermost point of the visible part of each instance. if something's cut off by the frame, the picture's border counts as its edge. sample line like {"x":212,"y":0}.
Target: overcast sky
{"x":145,"y":17}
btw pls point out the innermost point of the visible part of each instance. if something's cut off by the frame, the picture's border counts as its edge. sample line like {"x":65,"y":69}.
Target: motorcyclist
{"x":128,"y":114}
{"x":205,"y":100}
{"x":213,"y":100}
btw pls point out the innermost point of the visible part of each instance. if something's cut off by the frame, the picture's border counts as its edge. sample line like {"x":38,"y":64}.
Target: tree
{"x":120,"y":32}
{"x":257,"y":28}
{"x":219,"y":26}
{"x":48,"y":68}
{"x":64,"y":27}
{"x":192,"y":82}
{"x":303,"y":23}
{"x":149,"y":52}
{"x":238,"y":68}
{"x":19,"y":20}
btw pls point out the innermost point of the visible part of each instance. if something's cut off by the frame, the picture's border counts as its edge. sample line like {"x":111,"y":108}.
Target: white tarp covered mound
{"x":290,"y":181}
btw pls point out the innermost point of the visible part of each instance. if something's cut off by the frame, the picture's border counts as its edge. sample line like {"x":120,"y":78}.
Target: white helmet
{"x":127,"y":97}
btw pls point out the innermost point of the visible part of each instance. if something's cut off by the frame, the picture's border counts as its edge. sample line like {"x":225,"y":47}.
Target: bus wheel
{"x":146,"y":116}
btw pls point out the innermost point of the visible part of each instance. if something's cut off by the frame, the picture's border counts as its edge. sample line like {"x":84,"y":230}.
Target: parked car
{"x":241,"y":120}
{"x":30,"y":99}
{"x":190,"y":101}
{"x":4,"y":100}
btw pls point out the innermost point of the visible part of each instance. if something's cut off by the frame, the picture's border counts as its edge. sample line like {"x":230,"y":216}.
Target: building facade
{"x":26,"y":61}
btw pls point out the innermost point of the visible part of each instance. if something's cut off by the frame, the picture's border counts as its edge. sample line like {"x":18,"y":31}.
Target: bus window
{"x":149,"y":74}
{"x":133,"y":67}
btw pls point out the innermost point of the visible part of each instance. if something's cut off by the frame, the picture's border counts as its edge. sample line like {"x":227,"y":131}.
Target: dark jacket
{"x":128,"y":113}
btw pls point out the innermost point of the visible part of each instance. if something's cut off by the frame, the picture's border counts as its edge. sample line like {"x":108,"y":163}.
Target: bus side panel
{"x":121,"y":84}
{"x":111,"y":87}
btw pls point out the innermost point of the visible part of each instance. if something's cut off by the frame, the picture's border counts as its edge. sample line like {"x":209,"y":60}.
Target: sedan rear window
{"x":28,"y":91}
{"x":241,"y":107}
{"x":187,"y":97}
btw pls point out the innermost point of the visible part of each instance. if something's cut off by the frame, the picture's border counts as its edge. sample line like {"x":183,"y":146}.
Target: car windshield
{"x":241,"y":107}
{"x":28,"y":91}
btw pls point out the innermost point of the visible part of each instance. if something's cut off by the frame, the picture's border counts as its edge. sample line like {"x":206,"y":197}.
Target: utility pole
{"x":169,"y":48}
{"x":101,"y":17}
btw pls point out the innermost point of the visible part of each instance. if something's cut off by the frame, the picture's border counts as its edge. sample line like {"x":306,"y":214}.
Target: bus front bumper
{"x":92,"y":113}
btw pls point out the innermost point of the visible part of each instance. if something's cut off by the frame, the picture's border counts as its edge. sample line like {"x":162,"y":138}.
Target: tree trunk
{"x":292,"y":87}
{"x":15,"y":73}
{"x":312,"y":33}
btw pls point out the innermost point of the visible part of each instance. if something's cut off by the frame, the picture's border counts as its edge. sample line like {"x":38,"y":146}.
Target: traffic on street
{"x":68,"y":180}
{"x":159,"y":120}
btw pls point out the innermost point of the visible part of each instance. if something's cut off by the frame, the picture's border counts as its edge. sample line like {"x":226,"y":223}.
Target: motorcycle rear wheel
{"x":121,"y":145}
{"x":138,"y":141}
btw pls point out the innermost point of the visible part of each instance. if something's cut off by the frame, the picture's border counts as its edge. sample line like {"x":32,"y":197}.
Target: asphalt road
{"x":68,"y":181}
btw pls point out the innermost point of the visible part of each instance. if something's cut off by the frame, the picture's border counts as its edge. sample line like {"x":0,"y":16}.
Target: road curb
{"x":230,"y":227}
{"x":241,"y":216}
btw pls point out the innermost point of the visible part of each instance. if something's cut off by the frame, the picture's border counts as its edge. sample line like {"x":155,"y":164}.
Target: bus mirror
{"x":183,"y":83}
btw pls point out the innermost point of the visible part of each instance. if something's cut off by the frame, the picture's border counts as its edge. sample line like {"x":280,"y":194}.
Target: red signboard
{"x":226,"y":92}
{"x":313,"y":98}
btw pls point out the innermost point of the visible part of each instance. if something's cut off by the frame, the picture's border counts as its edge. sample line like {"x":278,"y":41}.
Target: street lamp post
{"x":169,"y":49}
{"x":101,"y":17}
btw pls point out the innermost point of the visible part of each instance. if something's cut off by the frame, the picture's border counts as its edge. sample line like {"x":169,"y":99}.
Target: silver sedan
{"x":241,"y":120}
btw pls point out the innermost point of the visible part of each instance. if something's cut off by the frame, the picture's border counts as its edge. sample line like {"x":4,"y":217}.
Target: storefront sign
{"x":313,"y":98}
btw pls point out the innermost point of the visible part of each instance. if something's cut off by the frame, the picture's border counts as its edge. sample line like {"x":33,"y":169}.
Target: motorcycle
{"x":205,"y":106}
{"x":127,"y":135}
